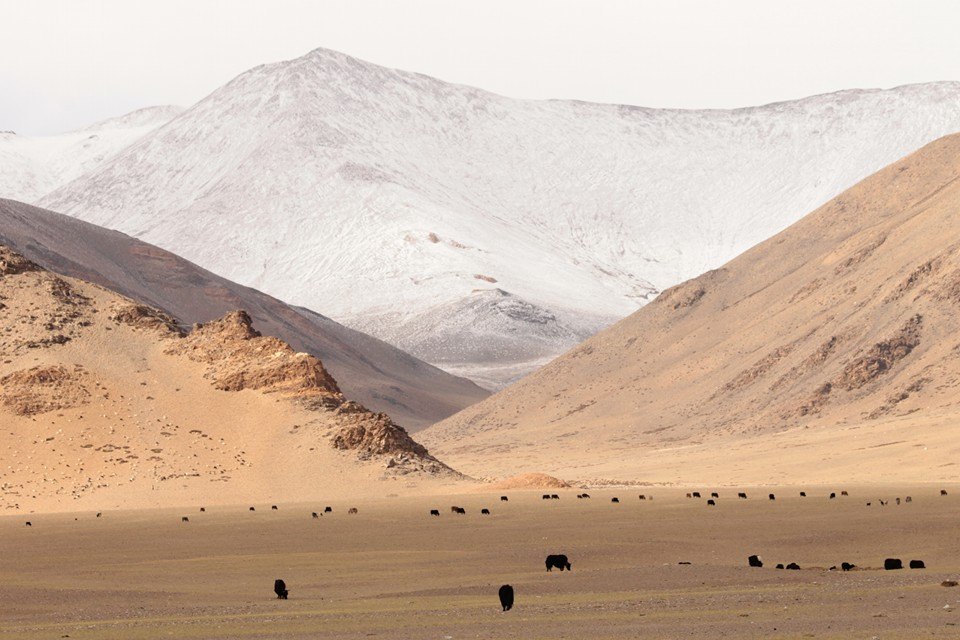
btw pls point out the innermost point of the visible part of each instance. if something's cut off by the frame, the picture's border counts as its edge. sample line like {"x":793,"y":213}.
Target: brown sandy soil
{"x":393,"y":571}
{"x":103,"y":404}
{"x":380,"y":376}
{"x":830,"y":351}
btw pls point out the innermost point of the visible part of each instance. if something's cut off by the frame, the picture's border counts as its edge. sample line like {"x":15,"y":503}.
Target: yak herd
{"x":562,"y":562}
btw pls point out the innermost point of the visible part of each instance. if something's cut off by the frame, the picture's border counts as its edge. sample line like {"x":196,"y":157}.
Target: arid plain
{"x":394,"y":571}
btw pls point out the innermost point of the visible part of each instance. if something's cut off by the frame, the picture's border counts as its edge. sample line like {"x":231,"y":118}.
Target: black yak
{"x":742,"y":495}
{"x":203,"y":510}
{"x":643,"y":497}
{"x":184,"y":519}
{"x":714,"y":495}
{"x":506,"y":597}
{"x":435,"y":512}
{"x":844,"y":493}
{"x":351,"y":510}
{"x":274,"y":507}
{"x":712,"y":502}
{"x":484,"y":512}
{"x":891,"y":564}
{"x":917,"y":564}
{"x":504,"y":499}
{"x":793,"y":566}
{"x":803,"y":494}
{"x":833,"y":495}
{"x":755,"y":561}
{"x":280,"y":588}
{"x":772,"y":497}
{"x":943,"y":492}
{"x":696,"y":494}
{"x":614,"y":499}
{"x":559,"y":561}
{"x":252,"y":509}
{"x":315,"y":515}
{"x":846,"y":566}
{"x":328,"y":509}
{"x":554,"y":496}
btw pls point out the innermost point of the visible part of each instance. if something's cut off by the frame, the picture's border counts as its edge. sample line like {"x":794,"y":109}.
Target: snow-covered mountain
{"x":480,"y":232}
{"x":32,"y":166}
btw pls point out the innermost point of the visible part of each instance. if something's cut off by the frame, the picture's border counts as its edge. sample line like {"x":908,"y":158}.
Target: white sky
{"x":64,"y":64}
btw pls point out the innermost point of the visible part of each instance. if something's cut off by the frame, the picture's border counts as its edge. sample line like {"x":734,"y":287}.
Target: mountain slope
{"x":107,"y":403}
{"x":831,"y":351}
{"x":377,"y":195}
{"x":32,"y":166}
{"x":380,"y":376}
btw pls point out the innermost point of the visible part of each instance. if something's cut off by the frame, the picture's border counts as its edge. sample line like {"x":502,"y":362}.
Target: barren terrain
{"x":393,"y":571}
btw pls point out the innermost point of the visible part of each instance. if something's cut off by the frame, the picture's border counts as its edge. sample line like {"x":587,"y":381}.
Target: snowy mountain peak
{"x":378,"y":196}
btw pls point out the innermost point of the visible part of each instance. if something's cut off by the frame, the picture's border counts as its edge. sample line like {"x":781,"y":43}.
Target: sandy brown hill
{"x":371,"y":371}
{"x":105,"y":402}
{"x":830,"y":351}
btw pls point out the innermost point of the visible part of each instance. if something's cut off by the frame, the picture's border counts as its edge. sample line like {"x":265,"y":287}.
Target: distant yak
{"x":99,"y":514}
{"x":545,"y":496}
{"x":203,"y":510}
{"x":846,"y":566}
{"x":184,"y":519}
{"x":352,"y":510}
{"x":614,"y":499}
{"x":844,"y":493}
{"x":557,"y":561}
{"x":586,"y":495}
{"x":328,"y":509}
{"x":273,"y":507}
{"x":435,"y":512}
{"x":280,"y":588}
{"x":554,"y":496}
{"x":506,"y":597}
{"x":793,"y":566}
{"x":29,"y":524}
{"x":832,"y":495}
{"x":696,"y":494}
{"x":253,"y":509}
{"x":643,"y":497}
{"x":891,"y":564}
{"x":917,"y":564}
{"x":943,"y":492}
{"x":314,"y":514}
{"x":755,"y":561}
{"x":772,"y":497}
{"x":504,"y":499}
{"x":714,"y":495}
{"x":712,"y":502}
{"x":803,"y":494}
{"x":484,"y":512}
{"x":742,"y":495}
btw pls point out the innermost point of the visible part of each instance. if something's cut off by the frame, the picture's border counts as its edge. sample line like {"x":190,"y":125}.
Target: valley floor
{"x":393,"y":571}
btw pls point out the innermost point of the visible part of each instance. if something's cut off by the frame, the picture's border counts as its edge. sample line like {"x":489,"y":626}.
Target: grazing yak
{"x":559,"y":561}
{"x":99,"y":514}
{"x":714,"y":495}
{"x":352,"y":510}
{"x":755,"y":561}
{"x":696,"y":494}
{"x":643,"y":497}
{"x":898,"y":501}
{"x":554,"y":496}
{"x":484,"y":512}
{"x":586,"y":495}
{"x":280,"y":588}
{"x":253,"y":509}
{"x":28,"y":524}
{"x":504,"y":499}
{"x":891,"y":564}
{"x":832,"y":495}
{"x":203,"y":509}
{"x":803,"y":494}
{"x":328,"y":509}
{"x":844,"y":493}
{"x":184,"y":519}
{"x":908,"y":499}
{"x":435,"y":512}
{"x":689,"y":495}
{"x":274,"y":507}
{"x":779,"y":566}
{"x":917,"y":564}
{"x":459,"y":510}
{"x":772,"y":497}
{"x":614,"y":499}
{"x":793,"y":566}
{"x":943,"y":492}
{"x":506,"y":597}
{"x":712,"y":502}
{"x":314,"y":514}
{"x":545,"y":496}
{"x":742,"y":495}
{"x":846,"y":566}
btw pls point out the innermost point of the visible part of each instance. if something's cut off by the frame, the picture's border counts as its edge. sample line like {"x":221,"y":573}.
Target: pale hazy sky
{"x":64,"y":64}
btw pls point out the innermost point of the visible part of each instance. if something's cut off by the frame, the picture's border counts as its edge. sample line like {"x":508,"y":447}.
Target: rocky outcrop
{"x":141,"y":316}
{"x":42,"y":389}
{"x":238,"y":358}
{"x":12,"y":263}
